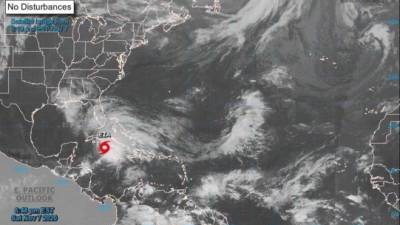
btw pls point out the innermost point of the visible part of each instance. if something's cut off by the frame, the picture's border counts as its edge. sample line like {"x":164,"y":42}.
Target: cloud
{"x":146,"y":215}
{"x":231,"y":185}
{"x":234,"y":29}
{"x":132,"y":174}
{"x":279,"y":77}
{"x":248,"y":117}
{"x":380,"y":38}
{"x":286,"y":191}
{"x":149,"y":14}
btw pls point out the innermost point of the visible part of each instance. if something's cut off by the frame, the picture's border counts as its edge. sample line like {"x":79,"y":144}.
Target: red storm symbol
{"x":104,"y":147}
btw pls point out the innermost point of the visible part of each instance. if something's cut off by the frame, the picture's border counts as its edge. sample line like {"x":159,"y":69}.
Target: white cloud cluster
{"x":254,"y":12}
{"x":230,"y":185}
{"x":248,"y":116}
{"x":143,"y":215}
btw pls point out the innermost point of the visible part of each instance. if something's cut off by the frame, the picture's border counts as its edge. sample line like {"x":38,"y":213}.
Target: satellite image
{"x":199,"y":112}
